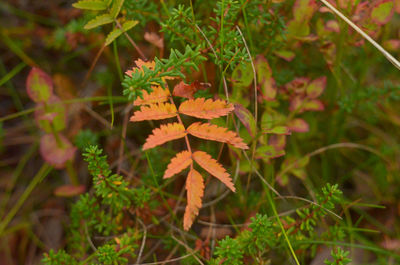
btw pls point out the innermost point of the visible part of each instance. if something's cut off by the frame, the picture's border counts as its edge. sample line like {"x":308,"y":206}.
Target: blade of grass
{"x":40,"y":175}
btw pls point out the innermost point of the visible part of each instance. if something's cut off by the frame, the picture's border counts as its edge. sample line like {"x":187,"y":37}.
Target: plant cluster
{"x":208,"y":133}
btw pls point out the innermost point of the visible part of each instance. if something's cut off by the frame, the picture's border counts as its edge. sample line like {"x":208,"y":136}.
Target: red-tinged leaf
{"x":214,"y":168}
{"x":332,"y":25}
{"x":277,"y":141}
{"x":316,"y":87}
{"x":158,"y":95}
{"x":56,"y":152}
{"x":303,"y":10}
{"x":154,"y":112}
{"x":213,"y":132}
{"x":181,"y":161}
{"x":296,"y":103}
{"x":298,"y":29}
{"x":298,"y":125}
{"x":285,"y":55}
{"x":246,"y":118}
{"x":298,"y":85}
{"x":69,"y":190}
{"x":205,"y":109}
{"x":392,"y":45}
{"x":269,"y":152}
{"x":195,"y":192}
{"x":280,"y":130}
{"x":52,"y":117}
{"x":397,"y":6}
{"x":39,"y":85}
{"x":262,"y":68}
{"x":269,"y":89}
{"x":165,"y":133}
{"x":264,"y":78}
{"x":184,"y":90}
{"x":382,"y":12}
{"x":312,"y":105}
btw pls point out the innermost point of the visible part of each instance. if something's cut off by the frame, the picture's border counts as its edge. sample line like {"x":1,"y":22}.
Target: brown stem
{"x":131,"y":41}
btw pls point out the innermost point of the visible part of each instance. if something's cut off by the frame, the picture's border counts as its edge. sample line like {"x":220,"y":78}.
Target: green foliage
{"x":117,"y":253}
{"x":263,"y":234}
{"x":164,"y":68}
{"x":339,"y":257}
{"x":58,"y":258}
{"x":112,"y":10}
{"x":315,"y":103}
{"x":86,"y":138}
{"x":229,"y":251}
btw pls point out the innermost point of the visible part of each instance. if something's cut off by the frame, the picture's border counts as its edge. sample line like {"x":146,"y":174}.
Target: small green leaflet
{"x":116,"y":7}
{"x":90,"y":5}
{"x":115,"y":33}
{"x":98,"y":21}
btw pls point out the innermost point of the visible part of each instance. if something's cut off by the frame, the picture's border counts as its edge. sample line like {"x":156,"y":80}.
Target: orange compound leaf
{"x":158,"y":95}
{"x":213,"y":132}
{"x":165,"y":133}
{"x":214,"y":168}
{"x":205,"y":109}
{"x":195,"y":192}
{"x":154,"y":112}
{"x":181,"y":161}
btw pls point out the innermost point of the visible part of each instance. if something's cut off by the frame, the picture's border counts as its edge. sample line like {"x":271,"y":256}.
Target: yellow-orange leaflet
{"x":154,"y":112}
{"x":205,"y":109}
{"x":213,"y":132}
{"x":181,"y":161}
{"x":158,"y":95}
{"x":195,"y":192}
{"x":165,"y":133}
{"x":213,"y":167}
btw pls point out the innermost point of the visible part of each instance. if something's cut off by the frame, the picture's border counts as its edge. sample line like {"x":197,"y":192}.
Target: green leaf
{"x":90,"y":5}
{"x":316,"y":87}
{"x":129,"y":24}
{"x":242,"y":76}
{"x":281,"y":130}
{"x":382,"y":12}
{"x":115,"y":33}
{"x":98,"y":21}
{"x":116,"y":7}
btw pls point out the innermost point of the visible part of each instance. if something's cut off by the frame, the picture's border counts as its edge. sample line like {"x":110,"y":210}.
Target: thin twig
{"x":168,"y":261}
{"x":311,"y":202}
{"x":131,"y":41}
{"x":254,"y":76}
{"x":216,"y":56}
{"x":143,"y":241}
{"x":388,"y":56}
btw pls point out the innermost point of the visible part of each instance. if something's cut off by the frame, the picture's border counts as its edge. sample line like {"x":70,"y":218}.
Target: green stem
{"x":282,"y":228}
{"x":40,"y":175}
